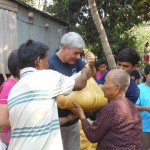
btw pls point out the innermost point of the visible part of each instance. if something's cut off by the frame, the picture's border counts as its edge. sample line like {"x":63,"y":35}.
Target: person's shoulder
{"x":111,"y":107}
{"x":46,"y":76}
{"x":54,"y":61}
{"x":133,"y":91}
{"x":122,"y":102}
{"x":9,"y":83}
{"x":46,"y":72}
{"x":142,"y":85}
{"x":132,"y":83}
{"x":133,"y":86}
{"x":80,"y":64}
{"x":105,"y":72}
{"x":53,"y":57}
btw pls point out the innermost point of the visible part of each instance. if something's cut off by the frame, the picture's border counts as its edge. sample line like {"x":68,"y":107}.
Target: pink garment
{"x":98,"y":75}
{"x":147,"y":58}
{"x":4,"y":91}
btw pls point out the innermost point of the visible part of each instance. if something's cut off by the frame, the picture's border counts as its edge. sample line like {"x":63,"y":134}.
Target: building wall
{"x":34,"y":28}
{"x":17,"y":27}
{"x":8,"y":35}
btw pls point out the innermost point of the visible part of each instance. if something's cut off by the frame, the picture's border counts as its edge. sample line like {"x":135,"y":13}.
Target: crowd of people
{"x":31,"y":119}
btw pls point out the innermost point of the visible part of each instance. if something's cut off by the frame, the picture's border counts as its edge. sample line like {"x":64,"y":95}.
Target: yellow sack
{"x":85,"y":144}
{"x":89,"y":98}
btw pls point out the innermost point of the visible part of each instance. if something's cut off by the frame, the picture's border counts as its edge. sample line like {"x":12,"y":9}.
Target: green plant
{"x":142,"y":36}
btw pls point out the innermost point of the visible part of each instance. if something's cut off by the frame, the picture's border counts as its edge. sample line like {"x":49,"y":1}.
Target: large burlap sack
{"x":89,"y":98}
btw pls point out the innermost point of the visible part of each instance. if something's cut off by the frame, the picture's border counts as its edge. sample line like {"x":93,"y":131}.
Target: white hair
{"x":73,"y":39}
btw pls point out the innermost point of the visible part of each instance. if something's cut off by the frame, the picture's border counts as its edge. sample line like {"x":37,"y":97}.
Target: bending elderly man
{"x":118,"y":125}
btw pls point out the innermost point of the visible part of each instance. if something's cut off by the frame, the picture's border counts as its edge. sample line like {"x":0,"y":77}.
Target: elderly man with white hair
{"x":68,"y":62}
{"x":118,"y":124}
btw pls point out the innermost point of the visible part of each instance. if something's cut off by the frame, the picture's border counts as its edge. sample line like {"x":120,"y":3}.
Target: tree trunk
{"x":102,"y":34}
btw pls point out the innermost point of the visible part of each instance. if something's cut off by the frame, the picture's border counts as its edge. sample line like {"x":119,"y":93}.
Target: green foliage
{"x":118,"y":18}
{"x":142,"y":36}
{"x":29,"y":2}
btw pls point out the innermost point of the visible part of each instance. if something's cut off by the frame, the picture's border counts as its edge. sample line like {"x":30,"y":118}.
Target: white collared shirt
{"x":33,"y":109}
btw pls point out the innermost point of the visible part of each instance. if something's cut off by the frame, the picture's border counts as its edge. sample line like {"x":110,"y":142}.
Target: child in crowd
{"x":101,"y":67}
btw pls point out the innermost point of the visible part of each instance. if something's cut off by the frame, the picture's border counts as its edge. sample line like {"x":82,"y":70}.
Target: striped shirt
{"x":33,"y":109}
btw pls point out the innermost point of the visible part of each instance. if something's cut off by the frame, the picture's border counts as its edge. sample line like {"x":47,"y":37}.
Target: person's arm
{"x":4,"y":113}
{"x":80,"y":82}
{"x":142,"y":108}
{"x":4,"y":116}
{"x":90,"y":60}
{"x":100,"y":126}
{"x":64,"y":120}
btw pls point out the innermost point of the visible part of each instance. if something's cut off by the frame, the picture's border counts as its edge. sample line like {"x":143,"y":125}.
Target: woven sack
{"x":89,"y":98}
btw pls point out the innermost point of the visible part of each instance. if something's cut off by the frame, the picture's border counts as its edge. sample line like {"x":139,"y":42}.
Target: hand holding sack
{"x":89,"y":98}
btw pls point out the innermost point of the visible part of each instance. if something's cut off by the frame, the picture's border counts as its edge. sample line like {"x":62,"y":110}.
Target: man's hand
{"x":72,"y":117}
{"x":90,"y":59}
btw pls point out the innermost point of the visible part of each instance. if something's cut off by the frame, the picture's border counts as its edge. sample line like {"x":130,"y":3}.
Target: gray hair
{"x":73,"y":39}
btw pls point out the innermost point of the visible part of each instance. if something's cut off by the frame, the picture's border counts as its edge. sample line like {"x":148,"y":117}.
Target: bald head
{"x":121,"y":77}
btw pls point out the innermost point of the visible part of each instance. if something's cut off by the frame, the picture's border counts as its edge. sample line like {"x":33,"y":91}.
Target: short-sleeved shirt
{"x":4,"y":91}
{"x":33,"y":109}
{"x":56,"y":64}
{"x":133,"y":91}
{"x":144,"y":100}
{"x":117,"y":127}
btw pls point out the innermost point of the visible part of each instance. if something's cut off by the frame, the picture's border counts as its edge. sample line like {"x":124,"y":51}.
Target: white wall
{"x":8,"y":35}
